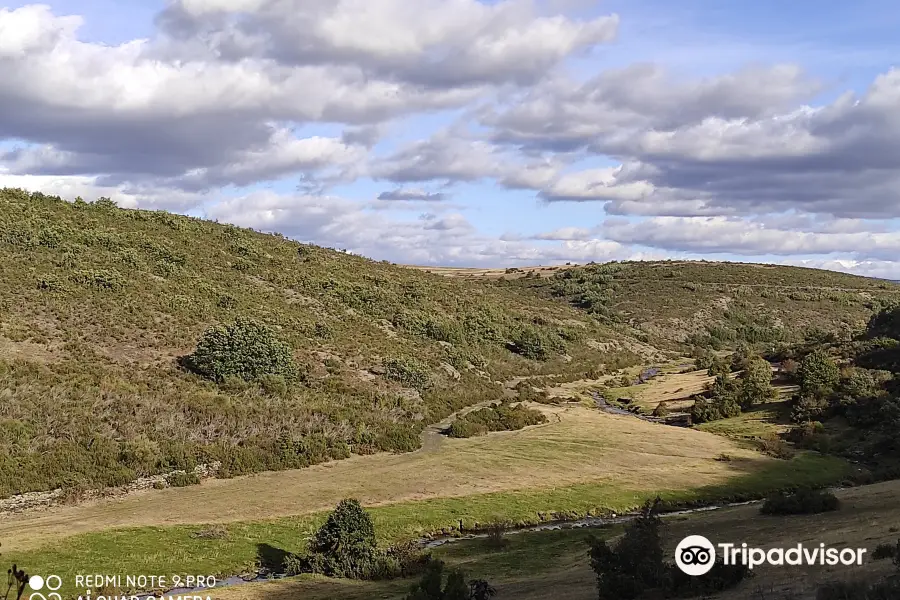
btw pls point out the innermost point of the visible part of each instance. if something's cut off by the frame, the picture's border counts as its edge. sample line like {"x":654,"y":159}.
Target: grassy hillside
{"x":98,"y":303}
{"x":715,"y":304}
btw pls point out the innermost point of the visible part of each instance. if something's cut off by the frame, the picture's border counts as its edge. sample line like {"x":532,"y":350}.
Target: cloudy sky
{"x":466,"y":132}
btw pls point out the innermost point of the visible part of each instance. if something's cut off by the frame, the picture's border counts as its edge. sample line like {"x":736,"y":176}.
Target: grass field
{"x":553,"y":564}
{"x":183,"y":549}
{"x":578,"y":446}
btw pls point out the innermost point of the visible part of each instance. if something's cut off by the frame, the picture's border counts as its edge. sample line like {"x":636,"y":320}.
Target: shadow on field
{"x":270,"y":558}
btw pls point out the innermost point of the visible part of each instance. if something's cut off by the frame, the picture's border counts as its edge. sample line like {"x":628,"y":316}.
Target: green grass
{"x":762,"y":421}
{"x":175,"y":550}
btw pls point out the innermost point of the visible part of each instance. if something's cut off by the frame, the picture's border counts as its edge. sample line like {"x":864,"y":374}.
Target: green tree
{"x":756,"y":383}
{"x":635,"y":563}
{"x":244,"y":349}
{"x":818,"y":374}
{"x":345,"y":545}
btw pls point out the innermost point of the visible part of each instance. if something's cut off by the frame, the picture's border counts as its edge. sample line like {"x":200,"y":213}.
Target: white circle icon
{"x":36,"y":582}
{"x":695,"y":555}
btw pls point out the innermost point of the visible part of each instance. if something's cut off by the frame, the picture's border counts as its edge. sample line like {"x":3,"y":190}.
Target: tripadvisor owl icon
{"x":695,"y":555}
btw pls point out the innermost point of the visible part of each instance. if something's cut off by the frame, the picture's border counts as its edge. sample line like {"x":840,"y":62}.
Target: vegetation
{"x":634,"y":566}
{"x":848,"y":400}
{"x":244,"y":349}
{"x":295,"y":354}
{"x":502,"y":417}
{"x":345,"y":545}
{"x":800,"y":502}
{"x":761,"y":305}
{"x":433,"y":587}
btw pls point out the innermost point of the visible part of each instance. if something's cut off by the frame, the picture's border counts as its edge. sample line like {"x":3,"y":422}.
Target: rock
{"x":450,"y":370}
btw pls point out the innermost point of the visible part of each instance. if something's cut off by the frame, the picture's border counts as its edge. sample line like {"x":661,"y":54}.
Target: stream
{"x":431,"y":542}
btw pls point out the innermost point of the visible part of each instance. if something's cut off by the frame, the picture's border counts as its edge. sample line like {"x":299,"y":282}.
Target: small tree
{"x":756,"y":383}
{"x":244,"y":349}
{"x":635,"y":564}
{"x":345,"y":545}
{"x":818,"y":374}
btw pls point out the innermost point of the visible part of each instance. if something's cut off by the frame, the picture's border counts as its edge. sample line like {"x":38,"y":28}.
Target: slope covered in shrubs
{"x":717,"y":305}
{"x":138,"y":342}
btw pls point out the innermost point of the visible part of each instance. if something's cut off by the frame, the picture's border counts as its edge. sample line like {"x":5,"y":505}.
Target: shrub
{"x":182,"y":479}
{"x":801,"y":502}
{"x":345,"y":545}
{"x":884,"y":551}
{"x":466,"y":429}
{"x":495,"y":418}
{"x":705,"y":410}
{"x":407,"y":371}
{"x":818,"y":374}
{"x":533,"y":343}
{"x":244,"y":349}
{"x":433,"y":587}
{"x":101,"y":279}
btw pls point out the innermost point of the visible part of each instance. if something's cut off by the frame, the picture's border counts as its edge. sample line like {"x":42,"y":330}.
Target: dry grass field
{"x":579,"y":445}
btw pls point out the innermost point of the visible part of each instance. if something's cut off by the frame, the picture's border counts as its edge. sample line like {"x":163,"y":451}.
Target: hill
{"x":714,"y":304}
{"x":98,"y":304}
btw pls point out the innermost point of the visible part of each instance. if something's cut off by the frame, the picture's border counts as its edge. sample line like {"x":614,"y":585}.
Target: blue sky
{"x":697,"y":129}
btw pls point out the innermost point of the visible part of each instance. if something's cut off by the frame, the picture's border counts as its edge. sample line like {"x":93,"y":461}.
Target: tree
{"x":345,"y":545}
{"x":635,"y":563}
{"x":244,"y":349}
{"x":756,"y":383}
{"x":818,"y":374}
{"x":886,"y":323}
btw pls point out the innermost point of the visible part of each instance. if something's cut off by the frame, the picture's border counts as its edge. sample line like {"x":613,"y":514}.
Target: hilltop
{"x":675,"y":304}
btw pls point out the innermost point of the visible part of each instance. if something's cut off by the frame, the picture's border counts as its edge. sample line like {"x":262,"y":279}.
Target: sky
{"x":475,"y":133}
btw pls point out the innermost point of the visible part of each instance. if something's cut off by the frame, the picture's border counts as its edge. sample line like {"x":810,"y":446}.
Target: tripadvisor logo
{"x":695,"y":555}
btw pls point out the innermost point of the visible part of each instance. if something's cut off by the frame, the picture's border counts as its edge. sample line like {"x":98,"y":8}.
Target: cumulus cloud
{"x":440,"y":44}
{"x":238,"y":94}
{"x":739,"y":236}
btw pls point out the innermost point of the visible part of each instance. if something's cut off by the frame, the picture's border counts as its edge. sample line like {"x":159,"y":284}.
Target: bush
{"x":885,"y":551}
{"x":182,"y":479}
{"x":465,"y":429}
{"x":408,"y":371}
{"x":800,"y":502}
{"x":635,"y":565}
{"x":244,"y":349}
{"x":433,"y":587}
{"x":533,"y":343}
{"x":495,"y":418}
{"x":706,"y":410}
{"x":345,"y":545}
{"x":818,"y":374}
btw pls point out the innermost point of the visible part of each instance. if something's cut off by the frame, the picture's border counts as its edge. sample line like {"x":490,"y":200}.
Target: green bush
{"x":244,"y":349}
{"x":182,"y":479}
{"x":818,"y":374}
{"x":495,"y":418}
{"x":345,"y":545}
{"x":800,"y":502}
{"x":408,"y":371}
{"x":535,"y":344}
